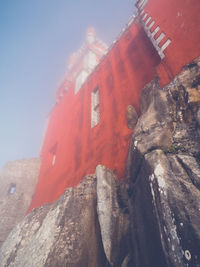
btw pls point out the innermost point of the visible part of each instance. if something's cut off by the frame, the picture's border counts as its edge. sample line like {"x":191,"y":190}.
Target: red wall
{"x":120,"y":77}
{"x":129,"y":66}
{"x":180,"y":21}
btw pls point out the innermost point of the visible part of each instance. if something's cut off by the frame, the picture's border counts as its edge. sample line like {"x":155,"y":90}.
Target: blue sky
{"x":36,"y":39}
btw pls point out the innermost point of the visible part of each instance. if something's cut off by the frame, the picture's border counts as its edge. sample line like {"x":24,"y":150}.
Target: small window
{"x":81,"y":78}
{"x":90,"y":61}
{"x":53,"y":151}
{"x":12,"y":189}
{"x":95,"y":109}
{"x":142,"y":3}
{"x":53,"y":159}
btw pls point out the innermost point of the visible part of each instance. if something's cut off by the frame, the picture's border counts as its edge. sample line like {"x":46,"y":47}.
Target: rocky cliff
{"x":163,"y":173}
{"x":151,"y":219}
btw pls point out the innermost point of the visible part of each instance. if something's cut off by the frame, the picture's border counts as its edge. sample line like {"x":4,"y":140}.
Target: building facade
{"x":18,"y":181}
{"x":87,"y":126}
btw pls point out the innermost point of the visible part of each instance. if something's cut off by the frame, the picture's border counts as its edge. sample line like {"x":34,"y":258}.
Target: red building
{"x":88,"y":125}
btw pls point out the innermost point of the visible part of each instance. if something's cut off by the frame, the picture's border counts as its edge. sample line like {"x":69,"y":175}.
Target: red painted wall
{"x":180,"y":21}
{"x":121,"y":75}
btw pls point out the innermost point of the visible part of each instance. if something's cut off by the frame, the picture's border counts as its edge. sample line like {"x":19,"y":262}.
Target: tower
{"x":83,"y":62}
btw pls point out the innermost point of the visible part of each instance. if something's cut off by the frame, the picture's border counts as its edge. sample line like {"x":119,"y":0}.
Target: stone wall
{"x":18,"y":180}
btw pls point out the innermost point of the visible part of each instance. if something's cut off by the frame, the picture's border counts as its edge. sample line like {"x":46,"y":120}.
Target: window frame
{"x":12,"y":189}
{"x":95,"y":107}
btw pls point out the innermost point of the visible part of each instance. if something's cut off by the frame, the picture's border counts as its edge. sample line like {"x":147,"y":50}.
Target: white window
{"x":53,"y":154}
{"x":80,"y":79}
{"x":90,"y":61}
{"x":12,"y":189}
{"x":95,"y":109}
{"x":53,"y":159}
{"x":142,"y":3}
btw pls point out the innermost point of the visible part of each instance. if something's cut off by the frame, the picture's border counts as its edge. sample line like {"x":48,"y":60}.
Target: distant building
{"x":88,"y":125}
{"x":18,"y":180}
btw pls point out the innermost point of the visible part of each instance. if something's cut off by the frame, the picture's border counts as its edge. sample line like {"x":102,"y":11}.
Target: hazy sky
{"x":36,"y":39}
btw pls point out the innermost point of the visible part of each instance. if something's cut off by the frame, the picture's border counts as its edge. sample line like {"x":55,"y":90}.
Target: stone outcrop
{"x":164,"y":174}
{"x":65,"y":233}
{"x":113,"y":219}
{"x":131,"y":117}
{"x":18,"y":180}
{"x":68,"y":233}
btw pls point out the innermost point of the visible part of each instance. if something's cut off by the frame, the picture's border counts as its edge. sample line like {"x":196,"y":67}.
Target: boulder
{"x":65,"y":233}
{"x":163,"y":174}
{"x":70,"y":232}
{"x":131,"y":117}
{"x":113,"y":220}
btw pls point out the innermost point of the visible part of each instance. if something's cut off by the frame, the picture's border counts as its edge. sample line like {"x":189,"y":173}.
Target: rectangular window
{"x":53,"y":154}
{"x":95,"y":109}
{"x":12,"y":189}
{"x":141,"y":4}
{"x":90,"y":61}
{"x":80,"y":79}
{"x":53,"y":159}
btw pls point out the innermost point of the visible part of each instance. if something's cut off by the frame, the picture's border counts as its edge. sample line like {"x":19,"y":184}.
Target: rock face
{"x":67,"y":232}
{"x":164,"y":174}
{"x":131,"y":117}
{"x":114,"y":221}
{"x":18,"y":180}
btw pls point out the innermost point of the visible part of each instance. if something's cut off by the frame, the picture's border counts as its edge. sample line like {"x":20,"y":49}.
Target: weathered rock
{"x":193,"y":95}
{"x":151,"y":130}
{"x":114,"y":223}
{"x":65,"y":233}
{"x":154,"y":128}
{"x":191,"y":166}
{"x":198,"y":116}
{"x":163,"y":173}
{"x":18,"y":180}
{"x":131,"y":117}
{"x":165,"y":203}
{"x":68,"y":232}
